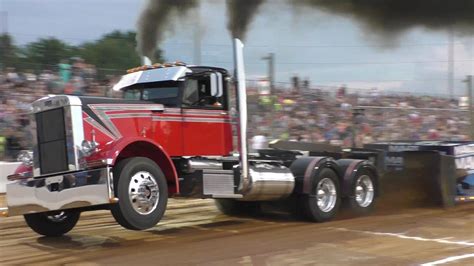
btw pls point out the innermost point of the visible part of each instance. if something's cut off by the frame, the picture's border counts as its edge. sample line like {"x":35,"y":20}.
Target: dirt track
{"x":193,"y":232}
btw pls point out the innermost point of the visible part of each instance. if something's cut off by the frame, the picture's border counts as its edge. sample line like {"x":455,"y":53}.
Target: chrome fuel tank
{"x":268,"y":182}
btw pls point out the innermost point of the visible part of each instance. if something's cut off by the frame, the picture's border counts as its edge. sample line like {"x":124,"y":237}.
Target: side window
{"x":197,"y":93}
{"x":191,"y":93}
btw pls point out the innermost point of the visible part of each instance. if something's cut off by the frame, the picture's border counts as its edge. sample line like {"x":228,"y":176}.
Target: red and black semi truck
{"x":171,"y":136}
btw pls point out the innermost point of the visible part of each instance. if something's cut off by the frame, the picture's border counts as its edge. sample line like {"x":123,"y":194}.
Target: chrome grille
{"x":51,"y":134}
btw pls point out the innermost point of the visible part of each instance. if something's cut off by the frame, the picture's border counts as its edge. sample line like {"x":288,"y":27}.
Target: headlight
{"x":89,"y":147}
{"x":25,"y":157}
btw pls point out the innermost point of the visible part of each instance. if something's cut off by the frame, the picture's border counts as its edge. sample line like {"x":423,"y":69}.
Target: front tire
{"x":52,"y":224}
{"x":325,"y":199}
{"x":142,"y":190}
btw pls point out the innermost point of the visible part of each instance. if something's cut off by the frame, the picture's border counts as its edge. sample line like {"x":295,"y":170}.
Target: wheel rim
{"x":143,"y":193}
{"x":326,"y":195}
{"x":57,"y":218}
{"x":364,"y":191}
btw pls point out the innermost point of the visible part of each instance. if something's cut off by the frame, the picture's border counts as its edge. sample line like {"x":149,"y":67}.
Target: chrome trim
{"x":220,"y":84}
{"x":99,"y":163}
{"x":242,"y":113}
{"x":25,"y":157}
{"x":55,"y":101}
{"x":226,"y":196}
{"x":218,"y":182}
{"x":15,"y":177}
{"x":59,"y":192}
{"x":269,"y":182}
{"x":152,"y":75}
{"x":110,"y":184}
{"x":200,"y":164}
{"x":74,"y":128}
{"x":127,"y":107}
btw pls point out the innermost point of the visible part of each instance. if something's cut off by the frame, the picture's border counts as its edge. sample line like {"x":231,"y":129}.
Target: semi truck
{"x":171,"y":135}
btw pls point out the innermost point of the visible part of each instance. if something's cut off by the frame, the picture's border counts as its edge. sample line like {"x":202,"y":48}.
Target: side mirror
{"x":216,"y":84}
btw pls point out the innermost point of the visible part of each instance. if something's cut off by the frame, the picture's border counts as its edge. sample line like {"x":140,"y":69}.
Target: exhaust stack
{"x":146,"y":61}
{"x":241,"y":93}
{"x":261,"y":181}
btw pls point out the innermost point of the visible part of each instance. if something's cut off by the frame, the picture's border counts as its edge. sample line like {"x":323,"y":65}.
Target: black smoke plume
{"x":395,"y":16}
{"x":241,"y":13}
{"x":387,"y":18}
{"x":154,"y":21}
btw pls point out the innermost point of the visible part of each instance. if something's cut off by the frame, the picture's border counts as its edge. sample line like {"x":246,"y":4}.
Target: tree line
{"x":113,"y":53}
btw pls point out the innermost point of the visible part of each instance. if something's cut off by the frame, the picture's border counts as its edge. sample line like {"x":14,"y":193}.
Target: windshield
{"x":132,"y":94}
{"x":165,"y":93}
{"x":153,"y":94}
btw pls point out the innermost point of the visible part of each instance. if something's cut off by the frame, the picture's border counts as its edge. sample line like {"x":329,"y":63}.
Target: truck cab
{"x":196,"y":107}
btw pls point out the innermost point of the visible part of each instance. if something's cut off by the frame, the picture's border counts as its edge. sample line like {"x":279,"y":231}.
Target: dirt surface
{"x":194,"y":232}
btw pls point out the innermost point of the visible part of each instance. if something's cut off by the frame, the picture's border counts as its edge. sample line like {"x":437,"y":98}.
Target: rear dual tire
{"x":364,"y":193}
{"x":322,"y":204}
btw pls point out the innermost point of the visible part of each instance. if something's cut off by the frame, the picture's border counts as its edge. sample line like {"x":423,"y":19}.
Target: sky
{"x":327,"y":49}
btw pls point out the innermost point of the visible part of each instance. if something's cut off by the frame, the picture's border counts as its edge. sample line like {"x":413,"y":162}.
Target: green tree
{"x":113,"y":53}
{"x":8,"y":51}
{"x":46,"y":53}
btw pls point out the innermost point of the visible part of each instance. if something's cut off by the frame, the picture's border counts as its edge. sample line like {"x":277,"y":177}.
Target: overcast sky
{"x":329,"y":50}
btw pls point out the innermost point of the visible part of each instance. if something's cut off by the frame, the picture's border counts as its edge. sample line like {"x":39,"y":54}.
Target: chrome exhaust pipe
{"x":241,"y":93}
{"x":146,"y":61}
{"x":271,"y":182}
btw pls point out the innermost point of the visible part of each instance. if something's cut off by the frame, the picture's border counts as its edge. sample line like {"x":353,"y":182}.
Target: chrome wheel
{"x":326,"y":195}
{"x":143,"y":192}
{"x":364,"y":191}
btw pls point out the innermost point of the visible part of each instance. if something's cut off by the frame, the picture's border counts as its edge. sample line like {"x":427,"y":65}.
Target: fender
{"x":124,"y":148}
{"x":348,"y":169}
{"x":306,"y":167}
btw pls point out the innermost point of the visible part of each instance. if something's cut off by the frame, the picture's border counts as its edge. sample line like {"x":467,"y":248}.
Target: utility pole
{"x":3,"y":18}
{"x":468,"y":81}
{"x":4,"y":30}
{"x":4,"y":21}
{"x":271,"y":79}
{"x":197,"y":39}
{"x":271,"y":71}
{"x":451,"y":63}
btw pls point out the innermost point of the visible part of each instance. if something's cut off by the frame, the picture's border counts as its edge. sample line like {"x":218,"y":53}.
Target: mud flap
{"x":428,"y":179}
{"x":439,"y":172}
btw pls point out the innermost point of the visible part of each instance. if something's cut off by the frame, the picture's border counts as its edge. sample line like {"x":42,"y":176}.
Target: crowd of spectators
{"x":313,"y":115}
{"x":353,"y":119}
{"x":19,"y":89}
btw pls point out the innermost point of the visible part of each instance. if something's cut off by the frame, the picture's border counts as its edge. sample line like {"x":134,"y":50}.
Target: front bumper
{"x":59,"y":192}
